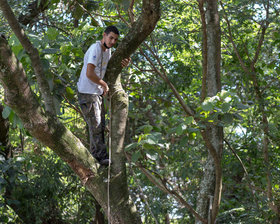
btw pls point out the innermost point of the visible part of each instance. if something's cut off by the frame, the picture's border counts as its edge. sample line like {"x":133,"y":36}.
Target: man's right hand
{"x":104,"y":87}
{"x":94,"y":78}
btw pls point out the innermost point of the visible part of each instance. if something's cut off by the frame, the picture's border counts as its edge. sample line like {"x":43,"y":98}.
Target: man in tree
{"x":91,"y":88}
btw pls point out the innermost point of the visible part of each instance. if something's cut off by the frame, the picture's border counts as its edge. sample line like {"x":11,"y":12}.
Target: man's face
{"x":110,"y":39}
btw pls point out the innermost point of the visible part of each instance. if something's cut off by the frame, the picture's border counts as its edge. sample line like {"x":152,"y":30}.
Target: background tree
{"x":168,"y":106}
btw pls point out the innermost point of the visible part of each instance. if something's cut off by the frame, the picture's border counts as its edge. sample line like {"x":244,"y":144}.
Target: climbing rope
{"x":110,"y":152}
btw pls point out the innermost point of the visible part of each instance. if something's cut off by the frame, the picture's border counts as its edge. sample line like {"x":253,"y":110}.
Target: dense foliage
{"x":36,"y":184}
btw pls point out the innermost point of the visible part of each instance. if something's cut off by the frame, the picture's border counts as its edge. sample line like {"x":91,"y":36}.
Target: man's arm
{"x":94,"y":78}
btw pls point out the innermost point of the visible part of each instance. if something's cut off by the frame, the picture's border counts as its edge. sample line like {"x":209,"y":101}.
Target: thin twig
{"x":163,"y":75}
{"x":72,"y":106}
{"x":55,"y":26}
{"x":121,"y":17}
{"x":130,"y":12}
{"x":142,"y":194}
{"x":232,"y":41}
{"x":245,"y":170}
{"x":159,"y":182}
{"x":83,"y":8}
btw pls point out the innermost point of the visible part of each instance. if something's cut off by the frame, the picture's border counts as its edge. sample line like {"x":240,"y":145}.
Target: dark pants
{"x":94,"y":115}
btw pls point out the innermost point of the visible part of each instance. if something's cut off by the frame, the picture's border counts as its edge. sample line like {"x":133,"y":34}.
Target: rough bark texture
{"x":211,"y":183}
{"x":119,"y":106}
{"x":48,"y":129}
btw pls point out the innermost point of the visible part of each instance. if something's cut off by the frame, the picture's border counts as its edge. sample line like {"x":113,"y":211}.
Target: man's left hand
{"x":125,"y":62}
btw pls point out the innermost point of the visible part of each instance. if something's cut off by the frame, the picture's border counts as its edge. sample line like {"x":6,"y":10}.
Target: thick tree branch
{"x":138,"y":32}
{"x":33,"y":54}
{"x":213,"y":134}
{"x":47,"y":130}
{"x":204,"y":48}
{"x":21,"y":99}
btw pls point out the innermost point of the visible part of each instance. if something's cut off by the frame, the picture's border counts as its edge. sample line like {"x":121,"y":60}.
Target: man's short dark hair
{"x":113,"y":29}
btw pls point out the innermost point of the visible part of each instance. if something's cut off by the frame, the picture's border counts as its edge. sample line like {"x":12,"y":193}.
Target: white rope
{"x":110,"y":153}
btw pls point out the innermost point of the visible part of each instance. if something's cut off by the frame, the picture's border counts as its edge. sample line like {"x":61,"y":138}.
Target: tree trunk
{"x":211,"y":184}
{"x":99,"y":217}
{"x":51,"y":132}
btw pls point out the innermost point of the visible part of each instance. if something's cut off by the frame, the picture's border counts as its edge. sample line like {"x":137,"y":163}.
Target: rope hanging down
{"x":110,"y":152}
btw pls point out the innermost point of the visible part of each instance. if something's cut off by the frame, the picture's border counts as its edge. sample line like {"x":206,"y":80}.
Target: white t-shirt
{"x":95,"y":56}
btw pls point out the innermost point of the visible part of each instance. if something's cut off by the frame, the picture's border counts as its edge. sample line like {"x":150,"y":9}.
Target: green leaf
{"x":227,"y":118}
{"x":52,"y":33}
{"x":46,"y":64}
{"x":6,"y":112}
{"x":131,"y":146}
{"x":180,"y":129}
{"x":148,"y":141}
{"x":50,"y":50}
{"x":225,"y":94}
{"x":208,"y":106}
{"x":238,"y":117}
{"x":13,"y":202}
{"x":146,"y":128}
{"x":57,"y":81}
{"x":184,"y":141}
{"x":2,"y":181}
{"x":78,"y":12}
{"x":135,"y":156}
{"x":241,"y":106}
{"x":189,"y":120}
{"x":16,"y":121}
{"x":152,"y":156}
{"x":22,"y":178}
{"x":69,"y":91}
{"x":225,"y":107}
{"x":78,"y":52}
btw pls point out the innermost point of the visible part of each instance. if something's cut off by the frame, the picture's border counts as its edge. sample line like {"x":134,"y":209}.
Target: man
{"x":91,"y":87}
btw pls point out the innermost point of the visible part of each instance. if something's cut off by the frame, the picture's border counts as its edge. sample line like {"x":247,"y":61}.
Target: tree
{"x":211,"y":184}
{"x":181,"y":110}
{"x":46,"y":127}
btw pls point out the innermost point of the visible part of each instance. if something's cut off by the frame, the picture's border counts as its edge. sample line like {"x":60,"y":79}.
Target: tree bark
{"x":118,"y":98}
{"x":51,"y":132}
{"x":211,"y":183}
